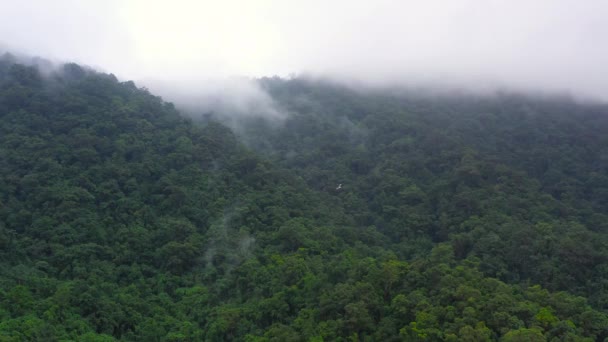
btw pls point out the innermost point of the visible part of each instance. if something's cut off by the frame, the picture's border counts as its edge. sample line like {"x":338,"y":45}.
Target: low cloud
{"x":237,"y":98}
{"x":543,"y":45}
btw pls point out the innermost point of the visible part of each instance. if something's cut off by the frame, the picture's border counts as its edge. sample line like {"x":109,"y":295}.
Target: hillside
{"x":459,"y":217}
{"x":514,"y":182}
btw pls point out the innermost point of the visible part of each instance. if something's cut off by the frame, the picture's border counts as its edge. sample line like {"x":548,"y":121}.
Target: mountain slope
{"x":121,"y":220}
{"x":516,"y":182}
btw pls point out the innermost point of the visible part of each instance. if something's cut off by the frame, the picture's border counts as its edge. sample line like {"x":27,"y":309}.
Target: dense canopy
{"x":458,"y":218}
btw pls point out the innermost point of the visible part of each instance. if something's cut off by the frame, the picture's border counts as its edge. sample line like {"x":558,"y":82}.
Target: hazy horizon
{"x":546,"y":46}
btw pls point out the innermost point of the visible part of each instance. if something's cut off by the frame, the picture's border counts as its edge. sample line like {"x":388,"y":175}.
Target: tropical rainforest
{"x":359,"y":215}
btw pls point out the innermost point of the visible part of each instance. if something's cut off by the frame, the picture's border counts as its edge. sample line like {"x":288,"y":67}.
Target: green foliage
{"x":459,"y":218}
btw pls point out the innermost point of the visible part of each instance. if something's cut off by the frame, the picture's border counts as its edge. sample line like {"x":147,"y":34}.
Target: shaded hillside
{"x":516,"y":183}
{"x":121,"y":220}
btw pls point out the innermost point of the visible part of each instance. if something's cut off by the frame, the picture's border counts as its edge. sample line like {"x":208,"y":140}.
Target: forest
{"x":362,"y":215}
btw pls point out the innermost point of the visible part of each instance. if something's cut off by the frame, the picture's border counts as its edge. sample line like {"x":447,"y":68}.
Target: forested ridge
{"x":360,"y":216}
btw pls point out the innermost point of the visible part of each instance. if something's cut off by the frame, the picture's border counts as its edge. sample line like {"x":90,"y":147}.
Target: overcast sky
{"x":537,"y":44}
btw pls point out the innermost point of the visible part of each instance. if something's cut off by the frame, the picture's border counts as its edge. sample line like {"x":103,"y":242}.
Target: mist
{"x":202,"y":54}
{"x":240,"y":97}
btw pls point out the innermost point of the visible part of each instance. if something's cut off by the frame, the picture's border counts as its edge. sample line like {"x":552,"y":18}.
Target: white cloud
{"x":541,"y":44}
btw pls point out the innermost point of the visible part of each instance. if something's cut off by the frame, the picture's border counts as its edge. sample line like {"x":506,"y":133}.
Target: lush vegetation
{"x":518,"y":184}
{"x":459,"y":217}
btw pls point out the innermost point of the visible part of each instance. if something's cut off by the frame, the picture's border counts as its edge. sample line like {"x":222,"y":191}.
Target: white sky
{"x":537,"y":44}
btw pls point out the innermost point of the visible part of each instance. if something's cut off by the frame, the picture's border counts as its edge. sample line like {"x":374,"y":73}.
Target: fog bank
{"x":543,"y":45}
